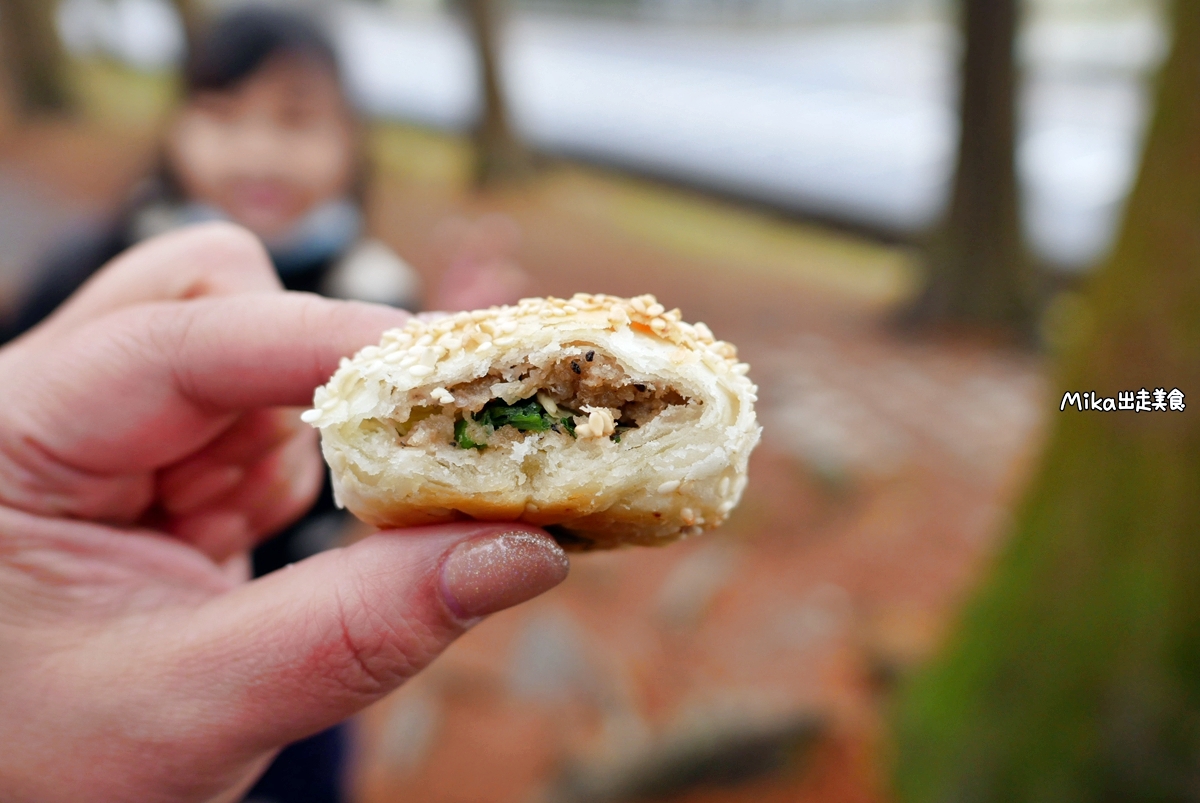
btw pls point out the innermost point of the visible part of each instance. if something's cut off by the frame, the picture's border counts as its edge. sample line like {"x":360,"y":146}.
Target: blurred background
{"x":787,"y":171}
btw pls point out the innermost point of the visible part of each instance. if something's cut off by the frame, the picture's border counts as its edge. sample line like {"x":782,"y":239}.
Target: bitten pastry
{"x":608,"y":421}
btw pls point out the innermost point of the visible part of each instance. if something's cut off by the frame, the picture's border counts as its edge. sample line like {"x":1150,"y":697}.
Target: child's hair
{"x":237,"y":44}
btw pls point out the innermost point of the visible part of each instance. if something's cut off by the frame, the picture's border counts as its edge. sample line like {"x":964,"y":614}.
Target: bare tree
{"x":33,"y":55}
{"x":979,"y":269}
{"x":500,"y":154}
{"x":1075,"y":673}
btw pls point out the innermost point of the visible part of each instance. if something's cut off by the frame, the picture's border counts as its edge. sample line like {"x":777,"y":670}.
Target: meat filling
{"x":572,"y":384}
{"x":583,"y":395}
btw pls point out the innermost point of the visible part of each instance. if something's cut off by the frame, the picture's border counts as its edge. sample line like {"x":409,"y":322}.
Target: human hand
{"x":143,"y":452}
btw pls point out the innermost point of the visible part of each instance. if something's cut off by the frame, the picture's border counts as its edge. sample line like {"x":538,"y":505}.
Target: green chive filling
{"x":462,"y":437}
{"x":524,"y":416}
{"x":527,"y":415}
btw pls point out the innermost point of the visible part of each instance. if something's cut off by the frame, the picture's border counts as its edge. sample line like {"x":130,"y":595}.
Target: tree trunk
{"x":1075,"y":674}
{"x":499,"y":153}
{"x":191,"y":17}
{"x":977,"y":261}
{"x":33,"y":55}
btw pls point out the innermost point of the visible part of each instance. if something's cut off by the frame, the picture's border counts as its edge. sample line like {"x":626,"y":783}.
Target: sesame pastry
{"x":609,"y":421}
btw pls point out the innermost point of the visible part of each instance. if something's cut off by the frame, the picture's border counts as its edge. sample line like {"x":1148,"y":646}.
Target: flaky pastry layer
{"x":630,"y":426}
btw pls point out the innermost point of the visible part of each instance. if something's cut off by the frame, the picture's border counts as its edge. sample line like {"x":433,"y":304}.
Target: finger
{"x":212,"y":259}
{"x":238,"y":568}
{"x":270,"y":493}
{"x":142,"y":388}
{"x":221,"y":465}
{"x":302,"y":649}
{"x":280,"y":487}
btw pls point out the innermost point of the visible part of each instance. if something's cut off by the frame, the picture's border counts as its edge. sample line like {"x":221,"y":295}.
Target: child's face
{"x":268,"y":150}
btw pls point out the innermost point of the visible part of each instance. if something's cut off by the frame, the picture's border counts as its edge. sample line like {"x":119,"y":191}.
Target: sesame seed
{"x":547,"y":403}
{"x":668,"y":486}
{"x":407,"y":354}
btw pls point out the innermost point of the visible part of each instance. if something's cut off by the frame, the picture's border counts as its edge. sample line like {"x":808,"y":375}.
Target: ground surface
{"x":879,"y":490}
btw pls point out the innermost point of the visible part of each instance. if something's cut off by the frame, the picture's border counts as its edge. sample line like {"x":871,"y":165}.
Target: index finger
{"x":211,"y":259}
{"x":146,"y":386}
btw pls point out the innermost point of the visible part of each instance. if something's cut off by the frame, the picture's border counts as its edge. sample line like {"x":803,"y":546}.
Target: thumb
{"x":299,"y":650}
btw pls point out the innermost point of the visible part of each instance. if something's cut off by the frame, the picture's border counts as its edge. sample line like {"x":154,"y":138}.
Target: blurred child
{"x":265,"y":138}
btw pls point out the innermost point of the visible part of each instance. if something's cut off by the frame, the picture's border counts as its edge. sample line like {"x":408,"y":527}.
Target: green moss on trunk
{"x":1075,"y":673}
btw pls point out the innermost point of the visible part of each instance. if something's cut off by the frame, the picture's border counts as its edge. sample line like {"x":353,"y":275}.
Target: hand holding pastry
{"x":149,"y":440}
